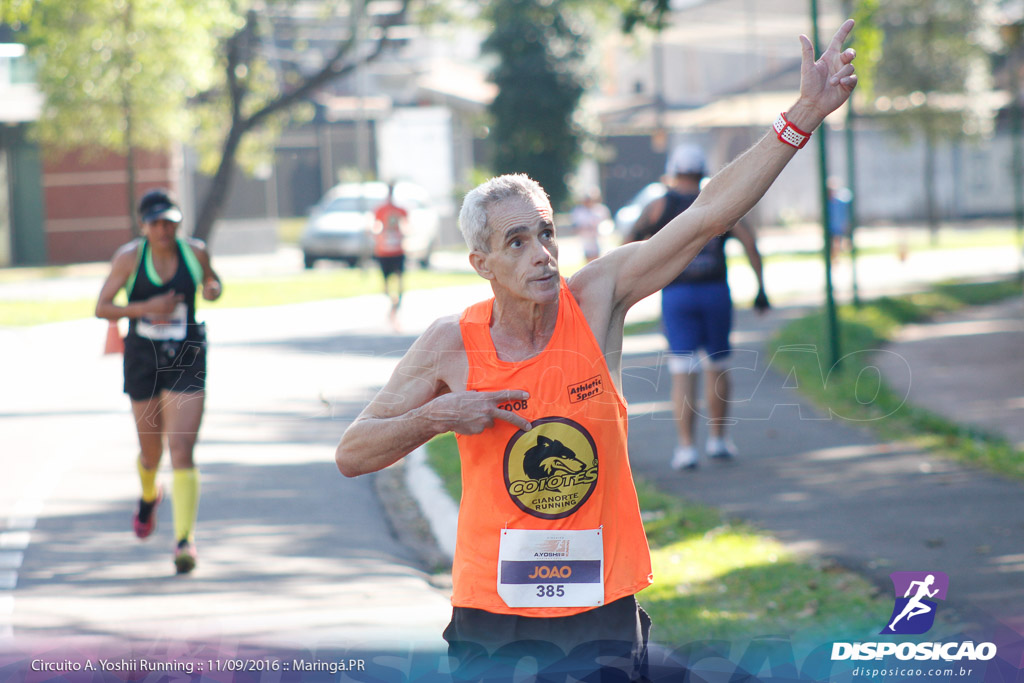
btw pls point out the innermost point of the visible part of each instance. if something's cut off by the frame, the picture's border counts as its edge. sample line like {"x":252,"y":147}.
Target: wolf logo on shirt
{"x":550,"y":457}
{"x":551,"y":470}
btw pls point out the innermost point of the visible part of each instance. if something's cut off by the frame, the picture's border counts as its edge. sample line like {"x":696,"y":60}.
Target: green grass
{"x":331,"y":283}
{"x":715,"y":578}
{"x":22,"y":313}
{"x":337,"y":283}
{"x":443,"y":457}
{"x":313,"y":285}
{"x":289,"y":230}
{"x":857,"y":393}
{"x":32,"y":273}
{"x":916,"y":241}
{"x":642,"y":327}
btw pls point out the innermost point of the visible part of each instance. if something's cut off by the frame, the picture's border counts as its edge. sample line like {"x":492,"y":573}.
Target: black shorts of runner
{"x":391,"y":265}
{"x":607,"y":643}
{"x":152,"y":366}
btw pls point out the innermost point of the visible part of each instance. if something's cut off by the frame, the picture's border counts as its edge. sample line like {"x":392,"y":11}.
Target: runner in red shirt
{"x":388,"y":231}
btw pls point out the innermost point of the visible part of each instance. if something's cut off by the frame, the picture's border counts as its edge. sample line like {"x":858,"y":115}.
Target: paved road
{"x":290,"y":551}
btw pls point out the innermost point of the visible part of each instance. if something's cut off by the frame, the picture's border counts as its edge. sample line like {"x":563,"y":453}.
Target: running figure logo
{"x":914,"y":612}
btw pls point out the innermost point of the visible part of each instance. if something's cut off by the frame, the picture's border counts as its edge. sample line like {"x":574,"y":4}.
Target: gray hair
{"x":473,"y":216}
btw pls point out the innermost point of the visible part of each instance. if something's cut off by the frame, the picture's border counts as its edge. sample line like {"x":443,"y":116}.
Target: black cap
{"x":156,"y":205}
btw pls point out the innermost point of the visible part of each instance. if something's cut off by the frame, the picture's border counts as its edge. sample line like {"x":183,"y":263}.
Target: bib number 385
{"x":550,"y":591}
{"x":551,"y":568}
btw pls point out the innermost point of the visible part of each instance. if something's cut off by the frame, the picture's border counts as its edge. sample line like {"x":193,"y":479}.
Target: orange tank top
{"x":569,"y":472}
{"x":387,"y":237}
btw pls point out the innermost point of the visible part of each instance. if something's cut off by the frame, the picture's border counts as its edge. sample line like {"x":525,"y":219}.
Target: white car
{"x":340,"y":225}
{"x":627,"y":215}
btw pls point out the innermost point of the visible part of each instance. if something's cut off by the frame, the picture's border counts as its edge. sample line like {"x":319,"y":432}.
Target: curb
{"x":440,"y":511}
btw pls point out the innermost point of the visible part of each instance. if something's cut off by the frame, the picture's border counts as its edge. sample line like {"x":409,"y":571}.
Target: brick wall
{"x":85,"y":197}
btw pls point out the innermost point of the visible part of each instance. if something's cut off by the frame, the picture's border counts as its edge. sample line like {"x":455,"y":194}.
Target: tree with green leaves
{"x":117,"y":74}
{"x":257,"y":97}
{"x":138,"y":74}
{"x":124,"y":75}
{"x":541,"y":46}
{"x":929,"y":52}
{"x":540,"y":83}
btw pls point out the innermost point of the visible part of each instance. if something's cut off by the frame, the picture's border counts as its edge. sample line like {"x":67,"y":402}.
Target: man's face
{"x":524,"y":254}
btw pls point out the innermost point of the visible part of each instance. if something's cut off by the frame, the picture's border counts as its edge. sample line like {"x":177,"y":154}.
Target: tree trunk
{"x":129,"y":139}
{"x":130,"y":163}
{"x":217,"y":195}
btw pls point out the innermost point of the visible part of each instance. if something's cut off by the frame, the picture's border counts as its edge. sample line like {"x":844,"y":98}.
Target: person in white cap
{"x":587,"y":218}
{"x":696,"y":312}
{"x":164,"y":359}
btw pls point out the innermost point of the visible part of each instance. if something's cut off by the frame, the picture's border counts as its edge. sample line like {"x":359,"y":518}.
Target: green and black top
{"x":146,"y":283}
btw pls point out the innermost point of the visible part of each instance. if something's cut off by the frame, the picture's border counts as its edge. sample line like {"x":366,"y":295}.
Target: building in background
{"x":57,"y":206}
{"x":412,"y":114}
{"x":21,"y":196}
{"x":720,"y":74}
{"x":717,"y":76}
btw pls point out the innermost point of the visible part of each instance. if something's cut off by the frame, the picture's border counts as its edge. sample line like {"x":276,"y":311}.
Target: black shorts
{"x":152,"y":366}
{"x":390,"y":265}
{"x":603,"y":643}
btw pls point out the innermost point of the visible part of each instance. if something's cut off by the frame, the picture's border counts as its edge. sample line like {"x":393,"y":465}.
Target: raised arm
{"x":643,"y":268}
{"x":418,"y":403}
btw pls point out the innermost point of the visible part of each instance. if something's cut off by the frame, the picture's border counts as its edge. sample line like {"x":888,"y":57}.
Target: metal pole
{"x":851,"y":182}
{"x":830,"y":302}
{"x":1015,"y":128}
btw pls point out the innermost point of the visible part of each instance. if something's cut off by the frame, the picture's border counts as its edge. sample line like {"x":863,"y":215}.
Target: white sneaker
{"x":684,"y":458}
{"x":721,"y":448}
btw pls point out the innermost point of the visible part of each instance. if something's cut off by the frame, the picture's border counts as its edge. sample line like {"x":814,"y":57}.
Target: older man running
{"x":550,"y":549}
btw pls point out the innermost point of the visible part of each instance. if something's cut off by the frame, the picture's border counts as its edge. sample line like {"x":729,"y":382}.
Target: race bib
{"x":551,"y":568}
{"x":172,"y":328}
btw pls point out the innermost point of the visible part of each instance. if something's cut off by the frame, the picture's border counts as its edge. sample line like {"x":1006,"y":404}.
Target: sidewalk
{"x":967,"y":367}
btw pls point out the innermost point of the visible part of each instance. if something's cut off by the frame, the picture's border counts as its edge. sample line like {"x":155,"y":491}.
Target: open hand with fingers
{"x":471,"y":412}
{"x":825,"y":83}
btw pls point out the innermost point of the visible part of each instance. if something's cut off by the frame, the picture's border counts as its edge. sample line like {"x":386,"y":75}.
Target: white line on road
{"x":6,"y":615}
{"x":11,"y":559}
{"x":14,"y":540}
{"x":21,"y":522}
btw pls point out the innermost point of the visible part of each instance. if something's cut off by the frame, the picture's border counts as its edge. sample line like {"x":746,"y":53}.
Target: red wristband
{"x":788,"y":133}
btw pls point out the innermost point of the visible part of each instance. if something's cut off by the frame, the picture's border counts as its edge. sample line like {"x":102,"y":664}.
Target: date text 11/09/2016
{"x":199,"y":666}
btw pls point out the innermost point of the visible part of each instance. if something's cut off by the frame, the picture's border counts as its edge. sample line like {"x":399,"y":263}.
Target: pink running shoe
{"x":147,"y":512}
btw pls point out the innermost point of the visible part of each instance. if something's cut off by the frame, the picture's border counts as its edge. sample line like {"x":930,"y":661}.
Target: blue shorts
{"x":697,"y":316}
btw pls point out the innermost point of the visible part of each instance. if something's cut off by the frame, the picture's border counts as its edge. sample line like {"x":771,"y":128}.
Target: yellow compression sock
{"x":148,"y":479}
{"x":186,"y":502}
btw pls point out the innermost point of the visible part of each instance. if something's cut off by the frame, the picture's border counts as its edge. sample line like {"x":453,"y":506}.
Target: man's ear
{"x":478,"y":259}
